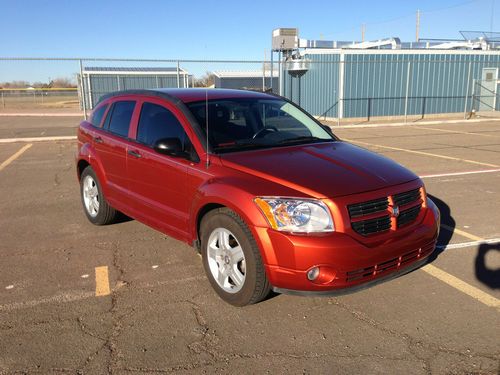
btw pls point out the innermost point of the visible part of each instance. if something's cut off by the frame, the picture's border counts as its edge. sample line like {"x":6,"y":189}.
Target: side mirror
{"x":327,"y":129}
{"x":170,"y":146}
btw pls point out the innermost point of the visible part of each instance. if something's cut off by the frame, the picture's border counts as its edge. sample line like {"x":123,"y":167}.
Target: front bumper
{"x":346,"y":263}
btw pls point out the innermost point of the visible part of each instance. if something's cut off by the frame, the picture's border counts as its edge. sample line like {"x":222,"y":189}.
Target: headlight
{"x":296,"y":215}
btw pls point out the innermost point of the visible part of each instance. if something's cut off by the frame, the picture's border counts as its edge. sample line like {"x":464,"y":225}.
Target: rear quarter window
{"x":118,"y":119}
{"x":97,"y":115}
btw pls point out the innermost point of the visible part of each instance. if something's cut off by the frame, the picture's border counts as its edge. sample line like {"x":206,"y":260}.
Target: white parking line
{"x":463,"y":245}
{"x":460,"y":173}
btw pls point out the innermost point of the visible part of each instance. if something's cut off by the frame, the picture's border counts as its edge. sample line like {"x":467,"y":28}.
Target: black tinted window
{"x":120,"y":118}
{"x":157,"y":122}
{"x":98,"y":114}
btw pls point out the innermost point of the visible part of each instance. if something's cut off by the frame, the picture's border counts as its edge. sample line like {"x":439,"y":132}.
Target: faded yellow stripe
{"x":462,"y":233}
{"x":15,"y":156}
{"x":102,"y":281}
{"x":423,"y":153}
{"x":462,"y":286}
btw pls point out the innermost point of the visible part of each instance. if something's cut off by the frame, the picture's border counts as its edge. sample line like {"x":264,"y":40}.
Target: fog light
{"x":313,"y":273}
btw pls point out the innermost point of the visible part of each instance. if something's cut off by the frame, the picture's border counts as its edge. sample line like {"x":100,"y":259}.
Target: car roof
{"x":189,"y":95}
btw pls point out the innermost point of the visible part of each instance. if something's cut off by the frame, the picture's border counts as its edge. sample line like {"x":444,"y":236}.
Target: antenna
{"x":206,"y":124}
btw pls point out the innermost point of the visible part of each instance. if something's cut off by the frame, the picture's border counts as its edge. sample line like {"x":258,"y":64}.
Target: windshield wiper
{"x":240,"y":145}
{"x":302,"y":139}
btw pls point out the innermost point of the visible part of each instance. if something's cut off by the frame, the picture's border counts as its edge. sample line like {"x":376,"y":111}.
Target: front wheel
{"x":232,"y":259}
{"x":96,"y":208}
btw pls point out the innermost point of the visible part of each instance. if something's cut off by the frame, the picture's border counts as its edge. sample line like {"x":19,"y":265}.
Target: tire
{"x":232,"y":259}
{"x":95,"y":206}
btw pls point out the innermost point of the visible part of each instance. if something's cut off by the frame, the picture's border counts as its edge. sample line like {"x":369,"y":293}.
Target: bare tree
{"x":206,"y":80}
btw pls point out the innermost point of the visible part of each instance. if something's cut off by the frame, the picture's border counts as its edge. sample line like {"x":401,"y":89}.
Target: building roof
{"x":244,"y":73}
{"x":133,"y":70}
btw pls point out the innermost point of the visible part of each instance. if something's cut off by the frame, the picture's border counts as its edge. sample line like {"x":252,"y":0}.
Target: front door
{"x":158,"y":182}
{"x":488,"y":89}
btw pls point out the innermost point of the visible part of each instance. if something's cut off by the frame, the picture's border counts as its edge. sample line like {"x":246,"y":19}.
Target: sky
{"x":207,"y":30}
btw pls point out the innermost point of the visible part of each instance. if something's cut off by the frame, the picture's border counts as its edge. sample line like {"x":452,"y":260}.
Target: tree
{"x":206,"y":80}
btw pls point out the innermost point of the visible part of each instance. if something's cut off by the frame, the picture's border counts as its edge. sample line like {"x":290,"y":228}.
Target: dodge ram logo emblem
{"x":395,"y":211}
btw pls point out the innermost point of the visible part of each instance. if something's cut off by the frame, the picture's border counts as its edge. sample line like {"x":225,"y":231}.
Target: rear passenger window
{"x":120,"y":118}
{"x":157,"y":122}
{"x":97,"y":115}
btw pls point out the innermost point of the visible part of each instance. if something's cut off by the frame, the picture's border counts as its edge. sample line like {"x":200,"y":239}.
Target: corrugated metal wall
{"x":101,"y":84}
{"x":244,"y":82}
{"x":318,"y":87}
{"x":375,"y":84}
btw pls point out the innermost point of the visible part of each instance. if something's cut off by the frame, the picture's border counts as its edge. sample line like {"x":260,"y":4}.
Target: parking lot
{"x":125,"y":299}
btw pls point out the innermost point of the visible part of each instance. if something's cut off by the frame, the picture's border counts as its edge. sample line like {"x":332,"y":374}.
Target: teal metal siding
{"x":375,"y":84}
{"x":318,"y":87}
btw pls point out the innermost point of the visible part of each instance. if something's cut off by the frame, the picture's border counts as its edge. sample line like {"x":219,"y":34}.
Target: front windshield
{"x":247,"y":123}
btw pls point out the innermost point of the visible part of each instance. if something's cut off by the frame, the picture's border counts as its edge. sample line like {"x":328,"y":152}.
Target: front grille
{"x":390,"y":265}
{"x":369,"y":207}
{"x":407,"y":216}
{"x":374,"y":216}
{"x":366,"y":227}
{"x":406,"y":197}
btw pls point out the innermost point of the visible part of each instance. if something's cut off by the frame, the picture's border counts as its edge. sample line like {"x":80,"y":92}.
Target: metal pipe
{"x":82,"y":92}
{"x":407,"y":90}
{"x":272,"y":68}
{"x":178,"y":76}
{"x":467,"y":92}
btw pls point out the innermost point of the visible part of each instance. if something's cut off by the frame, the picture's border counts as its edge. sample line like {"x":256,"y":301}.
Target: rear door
{"x":158,"y":183}
{"x":110,"y":143}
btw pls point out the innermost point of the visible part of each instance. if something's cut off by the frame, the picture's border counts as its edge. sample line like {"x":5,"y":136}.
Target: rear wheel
{"x":232,"y":259}
{"x":96,"y":208}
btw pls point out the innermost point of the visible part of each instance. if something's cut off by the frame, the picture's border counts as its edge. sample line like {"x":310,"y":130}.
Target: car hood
{"x":324,"y":170}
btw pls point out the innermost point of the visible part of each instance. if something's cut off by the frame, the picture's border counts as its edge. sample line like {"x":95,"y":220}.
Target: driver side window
{"x":157,"y":122}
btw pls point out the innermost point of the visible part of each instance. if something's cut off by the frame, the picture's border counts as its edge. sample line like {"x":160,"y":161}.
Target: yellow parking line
{"x":15,"y":156}
{"x":458,"y":284}
{"x":102,"y":281}
{"x":462,"y":233}
{"x":462,"y":286}
{"x":423,"y":153}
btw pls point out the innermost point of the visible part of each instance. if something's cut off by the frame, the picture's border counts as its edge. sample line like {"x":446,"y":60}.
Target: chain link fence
{"x":331,"y":90}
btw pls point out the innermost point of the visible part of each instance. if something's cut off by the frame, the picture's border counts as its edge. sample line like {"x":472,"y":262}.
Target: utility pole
{"x":363,"y":29}
{"x":418,"y":25}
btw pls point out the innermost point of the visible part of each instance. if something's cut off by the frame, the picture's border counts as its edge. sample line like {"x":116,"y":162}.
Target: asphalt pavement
{"x":161,"y":315}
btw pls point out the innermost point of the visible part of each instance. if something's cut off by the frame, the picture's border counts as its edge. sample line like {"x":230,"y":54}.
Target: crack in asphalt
{"x":432,"y":350}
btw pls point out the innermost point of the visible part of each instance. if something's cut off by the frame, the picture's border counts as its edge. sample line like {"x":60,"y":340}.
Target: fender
{"x":88,"y":154}
{"x":241,"y":202}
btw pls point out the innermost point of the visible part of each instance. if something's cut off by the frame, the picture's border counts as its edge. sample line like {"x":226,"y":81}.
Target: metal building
{"x":390,"y":78}
{"x":97,"y":81}
{"x":250,"y":80}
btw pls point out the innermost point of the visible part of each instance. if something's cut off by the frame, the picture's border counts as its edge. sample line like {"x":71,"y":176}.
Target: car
{"x":272,"y":199}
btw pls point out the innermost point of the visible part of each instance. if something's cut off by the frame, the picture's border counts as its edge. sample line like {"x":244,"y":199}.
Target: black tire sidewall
{"x":221,"y":220}
{"x":99,"y":218}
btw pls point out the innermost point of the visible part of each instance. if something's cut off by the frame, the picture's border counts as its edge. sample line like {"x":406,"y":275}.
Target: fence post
{"x":369,"y":109}
{"x":467,"y":92}
{"x":407,"y":90}
{"x":3,"y":100}
{"x":178,"y":76}
{"x":82,"y":92}
{"x":473,"y":99}
{"x":271,"y":73}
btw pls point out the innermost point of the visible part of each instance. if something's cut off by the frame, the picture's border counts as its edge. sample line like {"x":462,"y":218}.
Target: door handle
{"x":135,"y":154}
{"x":98,"y":140}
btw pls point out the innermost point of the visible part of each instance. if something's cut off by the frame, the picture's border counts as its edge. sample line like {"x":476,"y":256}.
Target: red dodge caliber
{"x":268,"y":195}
